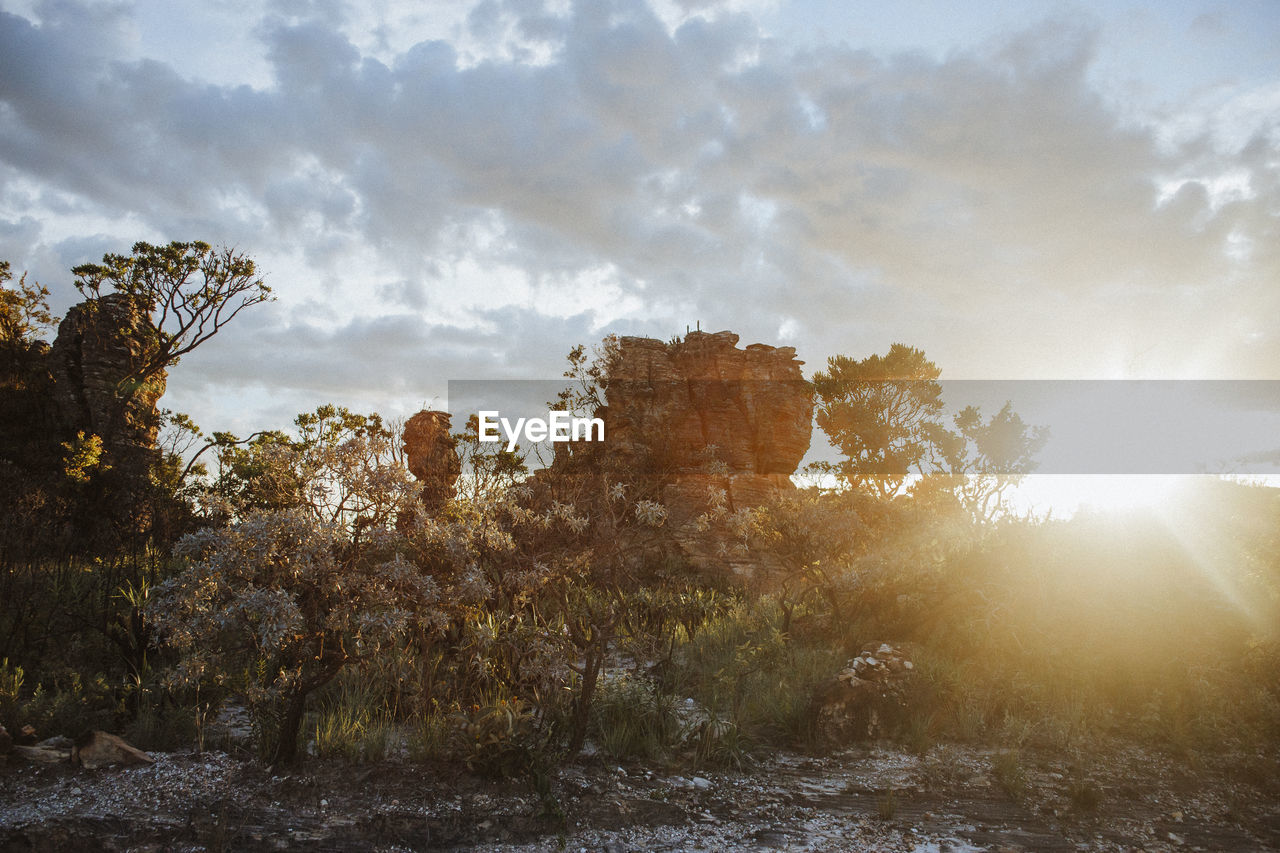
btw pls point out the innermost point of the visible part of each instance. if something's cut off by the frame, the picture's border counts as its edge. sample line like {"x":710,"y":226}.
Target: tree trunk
{"x":582,"y":709}
{"x":287,"y":744}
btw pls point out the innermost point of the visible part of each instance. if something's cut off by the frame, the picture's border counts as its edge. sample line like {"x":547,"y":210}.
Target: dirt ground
{"x":876,"y":797}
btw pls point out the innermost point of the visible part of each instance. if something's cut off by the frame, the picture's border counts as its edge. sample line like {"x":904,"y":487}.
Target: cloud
{"x":487,"y":197}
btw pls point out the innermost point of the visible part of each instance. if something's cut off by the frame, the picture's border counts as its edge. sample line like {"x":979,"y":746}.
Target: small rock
{"x":701,"y":784}
{"x":44,"y":756}
{"x":56,"y":742}
{"x":101,"y":749}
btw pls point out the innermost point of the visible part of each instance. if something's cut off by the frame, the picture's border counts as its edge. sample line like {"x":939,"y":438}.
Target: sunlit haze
{"x":436,"y":191}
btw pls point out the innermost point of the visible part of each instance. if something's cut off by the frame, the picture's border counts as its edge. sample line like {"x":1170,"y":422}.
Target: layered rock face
{"x":705,"y":416}
{"x":707,"y":428}
{"x":432,"y":456}
{"x":100,"y":348}
{"x":686,"y":406}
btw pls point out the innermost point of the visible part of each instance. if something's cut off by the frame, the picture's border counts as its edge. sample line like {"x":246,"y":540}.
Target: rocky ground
{"x":953,"y":798}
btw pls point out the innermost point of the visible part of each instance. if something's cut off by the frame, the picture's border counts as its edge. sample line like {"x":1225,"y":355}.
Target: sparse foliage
{"x":24,"y":308}
{"x":885,"y":415}
{"x":982,"y":459}
{"x":589,"y":377}
{"x":189,"y":290}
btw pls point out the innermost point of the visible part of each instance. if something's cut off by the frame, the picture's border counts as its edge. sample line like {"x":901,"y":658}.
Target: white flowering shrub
{"x":279,"y":603}
{"x":510,"y":596}
{"x":341,"y":467}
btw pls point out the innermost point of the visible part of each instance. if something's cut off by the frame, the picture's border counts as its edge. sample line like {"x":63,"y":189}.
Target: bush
{"x":1006,"y":767}
{"x":70,"y":707}
{"x":352,"y":723}
{"x":631,"y":719}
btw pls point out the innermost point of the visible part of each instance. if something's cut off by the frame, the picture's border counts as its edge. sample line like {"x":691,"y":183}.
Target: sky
{"x":466,"y":190}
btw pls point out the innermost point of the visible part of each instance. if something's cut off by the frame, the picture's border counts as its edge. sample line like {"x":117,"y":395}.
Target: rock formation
{"x":868,"y":698}
{"x":102,"y":749}
{"x":432,"y":456}
{"x":96,"y":362}
{"x":90,"y":399}
{"x":698,"y":424}
{"x":704,"y":416}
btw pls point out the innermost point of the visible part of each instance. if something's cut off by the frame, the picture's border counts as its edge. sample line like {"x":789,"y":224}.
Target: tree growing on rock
{"x":189,"y":290}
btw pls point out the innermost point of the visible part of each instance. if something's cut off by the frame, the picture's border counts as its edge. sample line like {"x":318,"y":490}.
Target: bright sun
{"x":1067,"y":494}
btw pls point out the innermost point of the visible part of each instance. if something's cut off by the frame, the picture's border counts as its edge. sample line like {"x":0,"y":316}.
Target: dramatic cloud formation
{"x":449,"y":192}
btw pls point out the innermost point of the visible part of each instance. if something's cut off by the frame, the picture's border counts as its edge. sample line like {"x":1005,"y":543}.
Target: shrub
{"x":352,"y":723}
{"x":1006,"y":767}
{"x":631,"y":719}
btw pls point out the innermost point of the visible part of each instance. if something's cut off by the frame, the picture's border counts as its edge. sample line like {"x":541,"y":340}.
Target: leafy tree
{"x":27,"y":409}
{"x":340,"y":466}
{"x":982,"y":459}
{"x":311,"y":575}
{"x":24,"y":308}
{"x":590,"y":377}
{"x":878,"y":412}
{"x":190,"y":290}
{"x":488,"y":468}
{"x":885,"y":415}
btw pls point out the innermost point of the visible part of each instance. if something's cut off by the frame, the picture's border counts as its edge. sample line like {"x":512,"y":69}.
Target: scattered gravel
{"x":869,"y":798}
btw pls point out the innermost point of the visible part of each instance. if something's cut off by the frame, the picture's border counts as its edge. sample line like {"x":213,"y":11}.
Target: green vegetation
{"x":300,"y":576}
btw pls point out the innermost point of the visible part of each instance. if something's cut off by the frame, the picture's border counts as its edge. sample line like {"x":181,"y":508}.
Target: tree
{"x":24,"y":308}
{"x":340,"y":466}
{"x":27,"y":409}
{"x":190,"y":291}
{"x":590,"y":377}
{"x":877,"y":412}
{"x":488,"y":468}
{"x":885,"y":415}
{"x":984,"y":459}
{"x":311,"y":576}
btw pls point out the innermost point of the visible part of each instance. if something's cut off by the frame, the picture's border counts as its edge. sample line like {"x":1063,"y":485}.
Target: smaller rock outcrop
{"x":48,"y":751}
{"x":432,"y":455}
{"x":868,"y":698}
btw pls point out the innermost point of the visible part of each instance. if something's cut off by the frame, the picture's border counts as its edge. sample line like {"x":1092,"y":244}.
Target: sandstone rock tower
{"x":432,"y":456}
{"x":701,"y":415}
